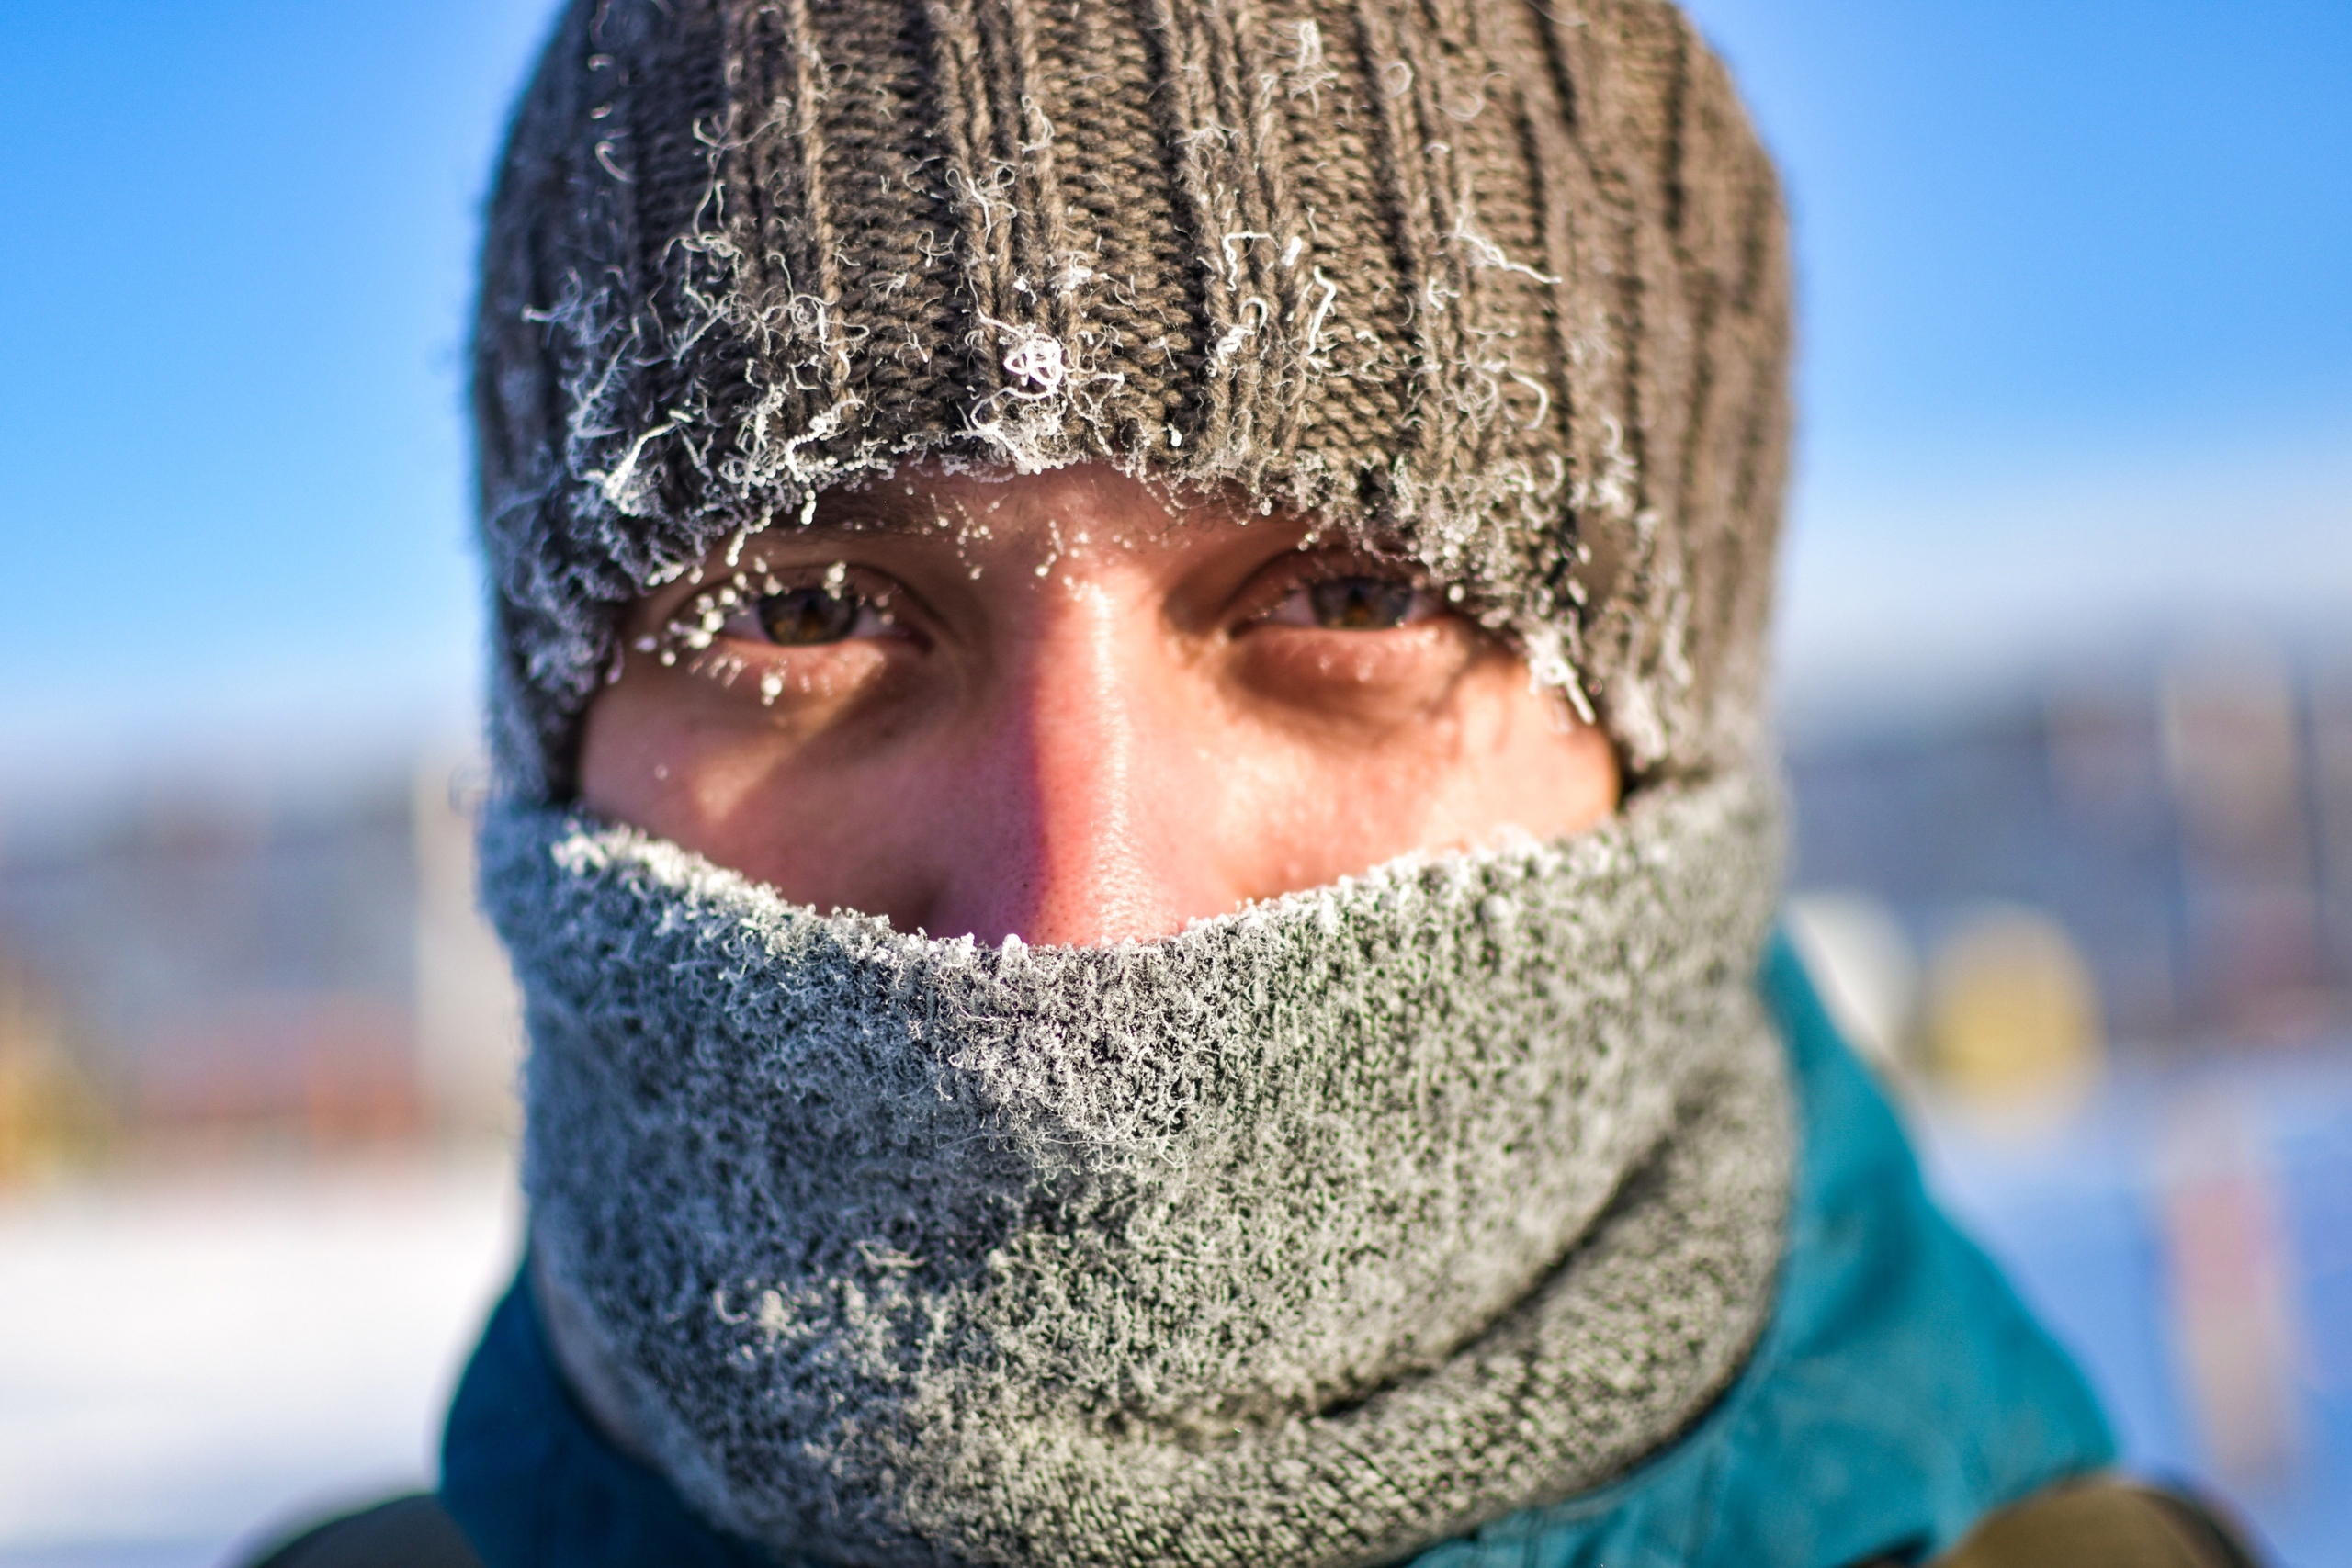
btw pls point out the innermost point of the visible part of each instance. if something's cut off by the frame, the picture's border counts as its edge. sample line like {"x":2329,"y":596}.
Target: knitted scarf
{"x":1312,"y":1234}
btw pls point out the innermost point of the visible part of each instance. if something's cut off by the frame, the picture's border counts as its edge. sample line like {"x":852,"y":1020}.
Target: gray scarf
{"x":1313,"y":1234}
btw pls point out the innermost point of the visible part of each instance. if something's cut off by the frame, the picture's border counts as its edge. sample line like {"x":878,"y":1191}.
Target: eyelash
{"x":1422,"y":602}
{"x":717,"y":614}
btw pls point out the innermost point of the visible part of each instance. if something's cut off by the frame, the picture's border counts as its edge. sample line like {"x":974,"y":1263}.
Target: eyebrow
{"x":880,"y":510}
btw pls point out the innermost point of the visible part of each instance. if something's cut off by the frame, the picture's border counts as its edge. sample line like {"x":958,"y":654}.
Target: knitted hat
{"x":1499,"y":283}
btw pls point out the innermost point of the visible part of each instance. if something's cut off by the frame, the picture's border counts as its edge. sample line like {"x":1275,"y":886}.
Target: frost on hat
{"x":1502,"y":285}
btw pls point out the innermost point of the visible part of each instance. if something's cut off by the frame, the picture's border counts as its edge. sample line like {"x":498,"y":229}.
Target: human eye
{"x":1356,"y":601}
{"x":758,"y":610}
{"x":812,"y":615}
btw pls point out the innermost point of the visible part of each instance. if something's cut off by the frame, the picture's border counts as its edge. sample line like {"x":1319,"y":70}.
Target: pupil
{"x":1361,"y":604}
{"x":801,"y":617}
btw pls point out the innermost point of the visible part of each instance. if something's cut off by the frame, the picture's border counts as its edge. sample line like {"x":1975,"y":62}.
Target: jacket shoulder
{"x":407,"y":1532}
{"x":2103,"y":1524}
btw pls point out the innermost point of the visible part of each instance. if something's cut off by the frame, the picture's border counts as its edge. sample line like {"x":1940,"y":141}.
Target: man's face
{"x":1071,"y":714}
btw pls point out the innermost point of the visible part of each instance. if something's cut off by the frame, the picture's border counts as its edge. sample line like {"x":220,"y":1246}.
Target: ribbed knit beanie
{"x":1501,"y":283}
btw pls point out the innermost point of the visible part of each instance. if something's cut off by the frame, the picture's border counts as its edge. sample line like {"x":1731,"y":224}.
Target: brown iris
{"x":805,"y":617}
{"x":1359,"y":603}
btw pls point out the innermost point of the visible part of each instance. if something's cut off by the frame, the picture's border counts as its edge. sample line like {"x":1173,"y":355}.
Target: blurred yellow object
{"x":50,"y":1116}
{"x":2012,"y":1015}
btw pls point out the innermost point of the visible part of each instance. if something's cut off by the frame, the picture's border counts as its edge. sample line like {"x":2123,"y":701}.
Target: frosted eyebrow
{"x":890,"y":506}
{"x":862,"y":523}
{"x":788,"y":542}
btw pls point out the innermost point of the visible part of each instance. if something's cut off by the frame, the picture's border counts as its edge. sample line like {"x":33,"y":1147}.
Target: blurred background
{"x":2066,"y":675}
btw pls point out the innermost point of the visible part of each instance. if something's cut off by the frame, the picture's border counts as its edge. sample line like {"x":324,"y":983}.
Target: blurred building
{"x":205,"y":969}
{"x":467,"y":1022}
{"x":2184,"y":825}
{"x":52,"y":1117}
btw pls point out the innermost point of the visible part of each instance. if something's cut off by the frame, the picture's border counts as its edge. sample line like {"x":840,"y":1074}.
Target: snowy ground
{"x":188,"y":1364}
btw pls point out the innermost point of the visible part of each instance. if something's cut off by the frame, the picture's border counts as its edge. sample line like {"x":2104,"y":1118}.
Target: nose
{"x":1077,"y":821}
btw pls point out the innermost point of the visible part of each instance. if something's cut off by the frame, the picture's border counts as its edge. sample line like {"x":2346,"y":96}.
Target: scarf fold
{"x":1313,"y":1234}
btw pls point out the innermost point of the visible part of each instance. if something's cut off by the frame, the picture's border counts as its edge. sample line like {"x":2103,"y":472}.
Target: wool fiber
{"x":1499,"y":286}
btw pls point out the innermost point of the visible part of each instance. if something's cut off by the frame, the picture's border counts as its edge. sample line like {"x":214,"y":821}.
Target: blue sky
{"x":2077,"y":339}
{"x":2078,"y":346}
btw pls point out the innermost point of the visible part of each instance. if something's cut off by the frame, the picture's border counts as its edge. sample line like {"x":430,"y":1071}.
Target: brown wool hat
{"x":1501,"y":283}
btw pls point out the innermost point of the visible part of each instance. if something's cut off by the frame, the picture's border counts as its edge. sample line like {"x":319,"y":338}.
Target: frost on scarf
{"x":1311,"y":1235}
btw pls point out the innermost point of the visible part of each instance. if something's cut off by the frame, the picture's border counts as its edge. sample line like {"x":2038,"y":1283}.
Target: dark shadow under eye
{"x":1361,"y":604}
{"x":804,"y":617}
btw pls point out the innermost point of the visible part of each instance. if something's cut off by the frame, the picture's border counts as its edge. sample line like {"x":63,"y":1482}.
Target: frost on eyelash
{"x":691,"y":633}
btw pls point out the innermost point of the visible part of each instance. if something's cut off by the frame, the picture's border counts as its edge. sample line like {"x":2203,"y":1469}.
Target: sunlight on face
{"x":1056,"y":707}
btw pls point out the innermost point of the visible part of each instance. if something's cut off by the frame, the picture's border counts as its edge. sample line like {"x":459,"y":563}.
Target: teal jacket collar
{"x":1899,"y":1393}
